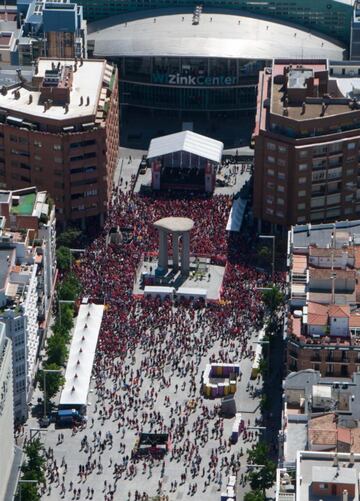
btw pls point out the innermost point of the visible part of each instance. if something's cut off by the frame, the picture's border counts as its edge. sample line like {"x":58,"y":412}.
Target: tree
{"x":263,"y":478}
{"x":28,"y":492}
{"x":56,"y":350}
{"x":70,"y":288}
{"x":273,"y":298}
{"x":63,"y":258}
{"x":254,"y":496}
{"x":53,"y":380}
{"x":33,"y":468}
{"x":265,"y":254}
{"x":69,"y":237}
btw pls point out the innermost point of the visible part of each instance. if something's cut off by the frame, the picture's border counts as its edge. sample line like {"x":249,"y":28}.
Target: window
{"x":281,"y":188}
{"x":271,"y":159}
{"x":302,"y":180}
{"x":269,"y":211}
{"x":280,"y":213}
{"x":13,"y":138}
{"x":301,"y":219}
{"x":280,"y":201}
{"x":282,"y":149}
{"x":303,"y":167}
{"x":351,"y":146}
{"x":271,"y":146}
{"x":58,"y":160}
{"x":38,"y":144}
{"x":303,"y":153}
{"x":57,"y":147}
{"x":302,"y":193}
{"x":301,"y":206}
{"x":323,"y":486}
{"x":281,"y":162}
{"x":270,"y":185}
{"x":270,"y":172}
{"x":37,"y":157}
{"x":281,"y":175}
{"x":269,"y":199}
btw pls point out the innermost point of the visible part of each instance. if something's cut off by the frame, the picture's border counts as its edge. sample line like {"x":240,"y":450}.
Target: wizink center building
{"x":173,"y":63}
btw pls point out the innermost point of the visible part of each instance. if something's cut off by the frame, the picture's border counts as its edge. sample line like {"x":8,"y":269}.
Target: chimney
{"x":30,"y":98}
{"x":81,"y":100}
{"x":81,"y":61}
{"x":3,"y":90}
{"x":87,"y":101}
{"x":45,"y":106}
{"x":303,"y":108}
{"x":285,"y":112}
{"x":345,"y":495}
{"x":66,"y":106}
{"x":323,"y":109}
{"x":36,"y":68}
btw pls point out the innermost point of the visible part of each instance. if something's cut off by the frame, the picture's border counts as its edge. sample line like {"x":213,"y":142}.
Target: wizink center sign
{"x":178,"y":79}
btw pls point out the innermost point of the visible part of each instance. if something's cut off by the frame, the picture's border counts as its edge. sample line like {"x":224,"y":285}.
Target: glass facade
{"x":332,"y":17}
{"x":202,"y":84}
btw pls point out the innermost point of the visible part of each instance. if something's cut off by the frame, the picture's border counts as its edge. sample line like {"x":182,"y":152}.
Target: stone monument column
{"x":175,"y":244}
{"x":185,"y":252}
{"x":163,"y":249}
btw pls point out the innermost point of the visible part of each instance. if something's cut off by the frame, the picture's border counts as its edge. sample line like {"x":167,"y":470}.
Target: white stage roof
{"x":188,"y":141}
{"x":81,"y":356}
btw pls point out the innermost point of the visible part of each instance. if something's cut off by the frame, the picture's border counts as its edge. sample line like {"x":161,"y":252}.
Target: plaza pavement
{"x":70,"y":448}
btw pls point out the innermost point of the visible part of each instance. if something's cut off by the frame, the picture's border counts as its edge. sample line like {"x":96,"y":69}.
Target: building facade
{"x":6,"y":410}
{"x":306,"y":142}
{"x":59,"y":131}
{"x":324,"y":320}
{"x":28,"y":273}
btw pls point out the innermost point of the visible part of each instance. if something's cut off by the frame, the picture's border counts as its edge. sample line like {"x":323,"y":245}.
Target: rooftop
{"x":218,"y":34}
{"x":25,"y":205}
{"x":327,"y":467}
{"x":28,"y":102}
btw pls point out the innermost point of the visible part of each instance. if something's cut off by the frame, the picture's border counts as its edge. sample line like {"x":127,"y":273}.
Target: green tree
{"x":28,"y":492}
{"x":273,"y":298}
{"x":254,"y":496}
{"x":63,"y":257}
{"x":56,"y":350}
{"x":53,"y":380}
{"x":70,"y":288}
{"x":259,"y":454}
{"x":69,"y":237}
{"x":263,"y":478}
{"x":33,"y":468}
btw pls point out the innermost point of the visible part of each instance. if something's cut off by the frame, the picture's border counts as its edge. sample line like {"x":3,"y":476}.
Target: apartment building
{"x":49,"y":29}
{"x":306,"y":141}
{"x":59,"y":131}
{"x":27,"y":278}
{"x":323,"y":324}
{"x":6,"y":410}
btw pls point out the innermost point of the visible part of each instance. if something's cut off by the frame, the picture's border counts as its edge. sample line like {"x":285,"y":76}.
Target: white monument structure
{"x":179,"y":228}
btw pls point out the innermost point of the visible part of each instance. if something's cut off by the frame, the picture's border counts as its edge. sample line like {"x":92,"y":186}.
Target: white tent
{"x":81,"y":356}
{"x":189,"y":142}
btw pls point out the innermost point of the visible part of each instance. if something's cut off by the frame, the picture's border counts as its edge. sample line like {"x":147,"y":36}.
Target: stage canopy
{"x":189,"y":142}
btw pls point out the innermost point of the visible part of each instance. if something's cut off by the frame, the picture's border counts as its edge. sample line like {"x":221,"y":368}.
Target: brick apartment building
{"x":307,"y":140}
{"x":59,"y":131}
{"x":324,"y":319}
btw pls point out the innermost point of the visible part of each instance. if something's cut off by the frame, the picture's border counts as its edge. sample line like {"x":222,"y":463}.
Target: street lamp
{"x":20,"y":481}
{"x":272,"y":237}
{"x":45,"y":371}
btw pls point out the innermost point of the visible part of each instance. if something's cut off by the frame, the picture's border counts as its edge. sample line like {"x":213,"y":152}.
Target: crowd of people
{"x":151,"y":354}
